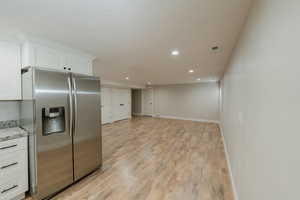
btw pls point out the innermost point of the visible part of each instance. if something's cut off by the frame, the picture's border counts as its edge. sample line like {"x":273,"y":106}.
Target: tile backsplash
{"x":9,"y":124}
{"x":9,"y":114}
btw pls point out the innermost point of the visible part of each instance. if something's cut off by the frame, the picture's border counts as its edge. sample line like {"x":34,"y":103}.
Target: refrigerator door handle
{"x":70,"y":106}
{"x":75,"y":103}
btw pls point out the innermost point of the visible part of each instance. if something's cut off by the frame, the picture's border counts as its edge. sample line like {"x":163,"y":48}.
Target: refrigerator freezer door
{"x":87,"y":125}
{"x":54,"y":157}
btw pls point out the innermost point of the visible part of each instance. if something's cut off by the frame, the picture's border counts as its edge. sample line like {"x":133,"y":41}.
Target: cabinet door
{"x":47,"y":57}
{"x":10,"y":76}
{"x":80,"y":64}
{"x":56,"y":58}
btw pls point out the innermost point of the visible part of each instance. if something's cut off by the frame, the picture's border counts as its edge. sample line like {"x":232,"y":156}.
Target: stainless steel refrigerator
{"x":61,"y":110}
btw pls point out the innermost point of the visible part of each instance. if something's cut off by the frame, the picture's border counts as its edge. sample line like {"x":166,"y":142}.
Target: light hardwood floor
{"x":158,"y":159}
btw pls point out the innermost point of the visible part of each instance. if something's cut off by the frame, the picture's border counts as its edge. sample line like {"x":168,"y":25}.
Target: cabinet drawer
{"x":12,"y":145}
{"x":13,"y":164}
{"x":12,"y":187}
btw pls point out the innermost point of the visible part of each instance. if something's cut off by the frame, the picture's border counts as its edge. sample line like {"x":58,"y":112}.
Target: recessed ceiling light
{"x":198,"y":79}
{"x":127,"y":78}
{"x":175,"y":53}
{"x":215,"y":48}
{"x":191,"y":71}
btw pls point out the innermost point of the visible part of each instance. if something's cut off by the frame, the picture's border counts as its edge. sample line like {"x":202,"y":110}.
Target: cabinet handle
{"x":6,"y":190}
{"x":10,"y":165}
{"x":8,"y":147}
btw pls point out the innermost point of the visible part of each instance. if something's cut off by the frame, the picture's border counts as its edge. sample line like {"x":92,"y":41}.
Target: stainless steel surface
{"x":59,"y":159}
{"x":70,"y":95}
{"x":87,"y":140}
{"x":54,"y":152}
{"x":75,"y":104}
{"x":53,"y":120}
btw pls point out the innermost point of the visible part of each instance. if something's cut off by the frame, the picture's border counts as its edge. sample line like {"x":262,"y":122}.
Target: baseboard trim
{"x":137,"y":114}
{"x":235,"y":194}
{"x":187,"y":119}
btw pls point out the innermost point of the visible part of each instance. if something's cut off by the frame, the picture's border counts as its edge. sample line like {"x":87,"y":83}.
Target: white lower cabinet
{"x":13,"y":169}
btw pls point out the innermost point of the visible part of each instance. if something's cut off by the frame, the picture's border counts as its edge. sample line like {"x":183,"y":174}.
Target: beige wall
{"x":9,"y":110}
{"x":261,"y":103}
{"x":190,"y":101}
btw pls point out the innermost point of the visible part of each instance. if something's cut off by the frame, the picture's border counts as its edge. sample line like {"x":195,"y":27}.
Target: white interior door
{"x":121,"y":104}
{"x":148,"y":101}
{"x":106,"y":105}
{"x":126,"y":101}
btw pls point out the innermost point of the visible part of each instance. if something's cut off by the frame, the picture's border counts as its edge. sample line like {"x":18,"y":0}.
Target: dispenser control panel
{"x":53,"y":120}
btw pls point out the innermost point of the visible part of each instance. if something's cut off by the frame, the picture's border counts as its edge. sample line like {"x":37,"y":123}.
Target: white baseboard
{"x":235,"y":194}
{"x":143,"y":114}
{"x":116,"y":120}
{"x":137,"y":114}
{"x":187,"y":119}
{"x":147,"y":115}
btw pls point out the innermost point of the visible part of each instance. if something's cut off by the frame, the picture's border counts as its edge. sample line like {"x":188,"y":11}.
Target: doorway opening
{"x":142,"y":102}
{"x":136,"y":102}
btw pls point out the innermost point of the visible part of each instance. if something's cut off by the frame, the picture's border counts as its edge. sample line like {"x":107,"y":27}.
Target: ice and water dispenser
{"x":53,"y":120}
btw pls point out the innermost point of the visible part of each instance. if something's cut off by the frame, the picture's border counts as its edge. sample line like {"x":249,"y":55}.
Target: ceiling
{"x":134,"y":38}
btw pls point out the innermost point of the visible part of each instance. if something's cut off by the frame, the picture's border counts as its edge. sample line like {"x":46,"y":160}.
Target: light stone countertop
{"x":12,"y":133}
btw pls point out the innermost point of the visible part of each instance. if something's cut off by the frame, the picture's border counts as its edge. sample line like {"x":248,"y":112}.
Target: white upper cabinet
{"x":14,"y":55}
{"x":34,"y":54}
{"x":80,"y":64}
{"x":10,"y":76}
{"x":46,"y":57}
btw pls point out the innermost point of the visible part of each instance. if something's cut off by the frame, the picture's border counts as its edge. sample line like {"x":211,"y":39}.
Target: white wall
{"x":9,"y":110}
{"x":198,"y":101}
{"x":261,"y":103}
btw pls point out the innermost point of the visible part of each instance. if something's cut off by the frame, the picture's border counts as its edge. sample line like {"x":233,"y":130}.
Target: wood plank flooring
{"x":157,"y":159}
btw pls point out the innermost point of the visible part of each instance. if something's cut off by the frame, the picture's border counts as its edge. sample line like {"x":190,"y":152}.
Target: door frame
{"x":143,"y":102}
{"x":110,"y":106}
{"x":115,"y":103}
